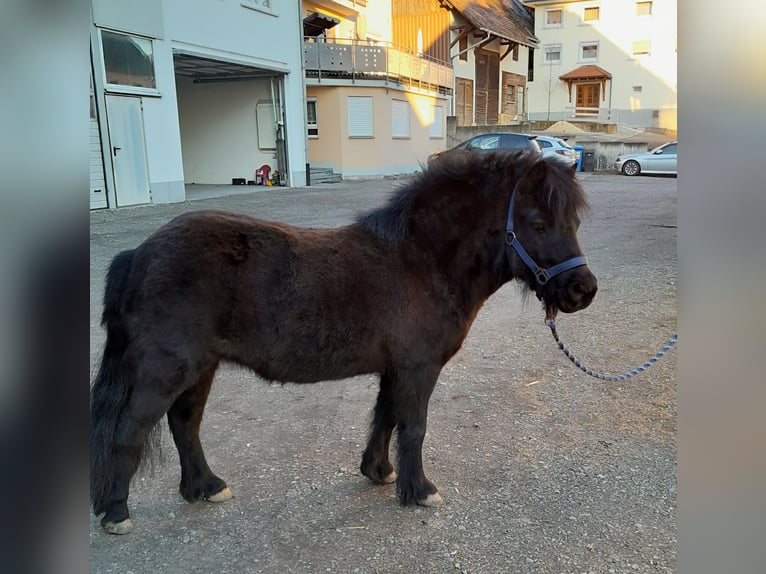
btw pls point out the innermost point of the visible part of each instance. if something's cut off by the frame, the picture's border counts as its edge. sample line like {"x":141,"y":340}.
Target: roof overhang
{"x":587,"y":73}
{"x":205,"y":70}
{"x":315,"y":23}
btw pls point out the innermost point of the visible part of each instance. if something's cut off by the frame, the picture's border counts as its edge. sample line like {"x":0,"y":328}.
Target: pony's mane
{"x":478,"y":174}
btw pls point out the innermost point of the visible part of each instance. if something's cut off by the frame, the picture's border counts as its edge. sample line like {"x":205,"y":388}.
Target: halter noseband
{"x":542,"y":275}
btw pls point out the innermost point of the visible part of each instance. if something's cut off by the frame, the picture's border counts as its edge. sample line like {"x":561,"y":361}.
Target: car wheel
{"x":631,"y":168}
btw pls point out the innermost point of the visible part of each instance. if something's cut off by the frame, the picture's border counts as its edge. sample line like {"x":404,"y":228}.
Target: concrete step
{"x":324,"y":175}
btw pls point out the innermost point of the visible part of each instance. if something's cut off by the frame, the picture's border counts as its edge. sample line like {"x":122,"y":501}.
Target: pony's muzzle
{"x":580,"y":290}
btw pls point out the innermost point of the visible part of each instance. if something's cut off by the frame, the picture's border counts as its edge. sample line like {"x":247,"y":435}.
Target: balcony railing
{"x":601,"y":115}
{"x":362,"y":60}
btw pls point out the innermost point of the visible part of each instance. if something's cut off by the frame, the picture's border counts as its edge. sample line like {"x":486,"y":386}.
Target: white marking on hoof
{"x":221,"y":496}
{"x":390,"y":478}
{"x":123,"y":527}
{"x":431,"y":500}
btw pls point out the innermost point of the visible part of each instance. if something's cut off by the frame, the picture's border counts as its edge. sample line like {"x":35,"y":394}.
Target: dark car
{"x":495,"y":141}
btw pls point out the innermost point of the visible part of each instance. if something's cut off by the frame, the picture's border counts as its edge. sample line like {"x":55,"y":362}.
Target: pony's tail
{"x":112,"y":387}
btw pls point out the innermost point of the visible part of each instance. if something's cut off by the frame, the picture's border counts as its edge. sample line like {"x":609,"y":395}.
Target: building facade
{"x":491,"y":43}
{"x":375,"y":106}
{"x":610,"y":62}
{"x":193,"y":92}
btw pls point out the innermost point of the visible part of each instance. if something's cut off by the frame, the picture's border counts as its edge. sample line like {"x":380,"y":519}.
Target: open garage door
{"x":231,"y":119}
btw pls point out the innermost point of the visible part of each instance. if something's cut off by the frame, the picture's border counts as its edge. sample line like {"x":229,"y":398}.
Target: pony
{"x":394,"y":293}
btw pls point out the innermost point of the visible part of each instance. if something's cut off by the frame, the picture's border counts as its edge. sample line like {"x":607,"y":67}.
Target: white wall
{"x":615,"y":31}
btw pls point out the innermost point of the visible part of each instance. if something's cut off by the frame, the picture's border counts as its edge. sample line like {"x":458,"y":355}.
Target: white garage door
{"x":97,"y":183}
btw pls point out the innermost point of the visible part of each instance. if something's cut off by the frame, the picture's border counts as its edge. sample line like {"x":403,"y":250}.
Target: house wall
{"x":643,"y":88}
{"x":381,"y":154}
{"x":466,"y":69}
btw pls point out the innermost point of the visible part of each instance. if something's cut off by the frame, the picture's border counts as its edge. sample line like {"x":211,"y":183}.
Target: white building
{"x":607,"y":61}
{"x":193,"y":92}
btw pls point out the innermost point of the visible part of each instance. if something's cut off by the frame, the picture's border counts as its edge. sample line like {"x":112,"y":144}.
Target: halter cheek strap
{"x":542,"y":275}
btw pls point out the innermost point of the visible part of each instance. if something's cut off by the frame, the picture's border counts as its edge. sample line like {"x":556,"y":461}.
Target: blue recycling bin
{"x":579,"y":151}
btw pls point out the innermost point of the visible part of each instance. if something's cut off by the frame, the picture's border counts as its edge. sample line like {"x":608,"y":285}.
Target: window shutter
{"x":359,"y":116}
{"x":400,"y":119}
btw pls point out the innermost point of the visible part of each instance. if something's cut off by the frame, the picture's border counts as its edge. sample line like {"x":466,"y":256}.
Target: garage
{"x":231,"y":119}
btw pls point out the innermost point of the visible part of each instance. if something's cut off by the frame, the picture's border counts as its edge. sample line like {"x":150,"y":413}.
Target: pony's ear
{"x":572,"y":169}
{"x":536,"y":175}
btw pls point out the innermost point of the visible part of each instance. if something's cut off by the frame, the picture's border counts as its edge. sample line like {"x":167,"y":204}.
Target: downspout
{"x":478,"y":45}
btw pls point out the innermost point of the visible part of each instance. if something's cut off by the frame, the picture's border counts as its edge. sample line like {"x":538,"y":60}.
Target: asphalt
{"x":543,"y":469}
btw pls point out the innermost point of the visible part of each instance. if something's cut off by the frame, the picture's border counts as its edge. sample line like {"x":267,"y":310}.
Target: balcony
{"x":326,"y":61}
{"x":601,"y":115}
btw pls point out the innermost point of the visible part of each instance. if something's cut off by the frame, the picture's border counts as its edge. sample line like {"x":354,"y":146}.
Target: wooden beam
{"x":510,"y":46}
{"x":465,"y":31}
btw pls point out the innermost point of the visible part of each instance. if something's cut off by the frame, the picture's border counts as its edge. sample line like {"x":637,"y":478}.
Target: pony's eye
{"x":539,"y":228}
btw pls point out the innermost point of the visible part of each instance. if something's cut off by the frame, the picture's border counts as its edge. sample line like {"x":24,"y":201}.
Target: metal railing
{"x":602,"y":115}
{"x":360,"y":59}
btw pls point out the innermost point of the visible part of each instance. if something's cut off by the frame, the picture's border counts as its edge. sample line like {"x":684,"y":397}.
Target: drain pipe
{"x":478,"y":45}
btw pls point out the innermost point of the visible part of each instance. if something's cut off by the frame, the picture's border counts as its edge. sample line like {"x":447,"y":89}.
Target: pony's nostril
{"x":578,"y":289}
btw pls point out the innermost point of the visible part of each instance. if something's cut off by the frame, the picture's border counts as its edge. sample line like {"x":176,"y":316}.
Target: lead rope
{"x":669,"y":345}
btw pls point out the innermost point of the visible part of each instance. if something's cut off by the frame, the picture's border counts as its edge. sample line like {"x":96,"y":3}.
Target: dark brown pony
{"x":393,"y":293}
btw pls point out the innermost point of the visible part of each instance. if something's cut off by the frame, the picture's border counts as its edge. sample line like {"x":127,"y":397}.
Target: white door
{"x":128,"y":150}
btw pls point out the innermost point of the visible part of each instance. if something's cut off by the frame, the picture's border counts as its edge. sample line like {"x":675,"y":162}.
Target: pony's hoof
{"x":221,"y":496}
{"x":391,"y":478}
{"x":432,"y":500}
{"x":123,"y":527}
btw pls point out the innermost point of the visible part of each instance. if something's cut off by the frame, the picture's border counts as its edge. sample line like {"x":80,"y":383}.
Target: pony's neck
{"x":469,"y":251}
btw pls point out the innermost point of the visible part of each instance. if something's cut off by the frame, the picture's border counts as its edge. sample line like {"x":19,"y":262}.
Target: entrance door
{"x":587,"y":99}
{"x":128,"y":150}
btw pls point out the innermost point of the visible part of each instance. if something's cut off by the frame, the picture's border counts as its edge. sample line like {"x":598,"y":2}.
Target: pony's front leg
{"x":413,"y":390}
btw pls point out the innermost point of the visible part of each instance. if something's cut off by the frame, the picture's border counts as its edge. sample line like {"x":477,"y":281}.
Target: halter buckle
{"x":542,"y":276}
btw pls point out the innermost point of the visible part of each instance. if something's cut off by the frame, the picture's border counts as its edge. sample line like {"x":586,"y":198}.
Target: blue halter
{"x":541,"y":274}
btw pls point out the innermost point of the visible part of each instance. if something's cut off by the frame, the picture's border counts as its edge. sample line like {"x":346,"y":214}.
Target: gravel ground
{"x":543,"y":469}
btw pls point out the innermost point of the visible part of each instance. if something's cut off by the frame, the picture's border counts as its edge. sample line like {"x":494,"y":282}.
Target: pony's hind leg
{"x":153,"y":380}
{"x":375,"y":462}
{"x":185,"y":416}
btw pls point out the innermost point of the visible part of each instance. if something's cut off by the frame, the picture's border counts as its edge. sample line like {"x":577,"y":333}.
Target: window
{"x":637,"y":89}
{"x":359,"y":109}
{"x":400,"y":119}
{"x":590,"y":14}
{"x":463,"y":47}
{"x":311,"y":117}
{"x":435,"y":127}
{"x":553,"y":18}
{"x":552,"y":54}
{"x":643,"y":8}
{"x":641,"y":48}
{"x":589,"y":51}
{"x":515,"y":52}
{"x":128,"y":61}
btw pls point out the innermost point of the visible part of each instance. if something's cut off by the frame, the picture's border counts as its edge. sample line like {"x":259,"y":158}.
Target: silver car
{"x":556,"y":146}
{"x":662,"y":159}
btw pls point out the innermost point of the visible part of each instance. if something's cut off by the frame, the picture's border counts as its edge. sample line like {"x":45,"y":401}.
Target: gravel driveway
{"x":543,"y":469}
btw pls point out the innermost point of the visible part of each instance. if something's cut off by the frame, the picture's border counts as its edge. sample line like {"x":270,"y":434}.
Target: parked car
{"x":495,"y":141}
{"x":556,"y":146}
{"x":662,"y":159}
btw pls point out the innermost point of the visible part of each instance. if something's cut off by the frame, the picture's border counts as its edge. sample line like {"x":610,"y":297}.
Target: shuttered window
{"x":400,"y":119}
{"x":359,"y":116}
{"x":435,"y":128}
